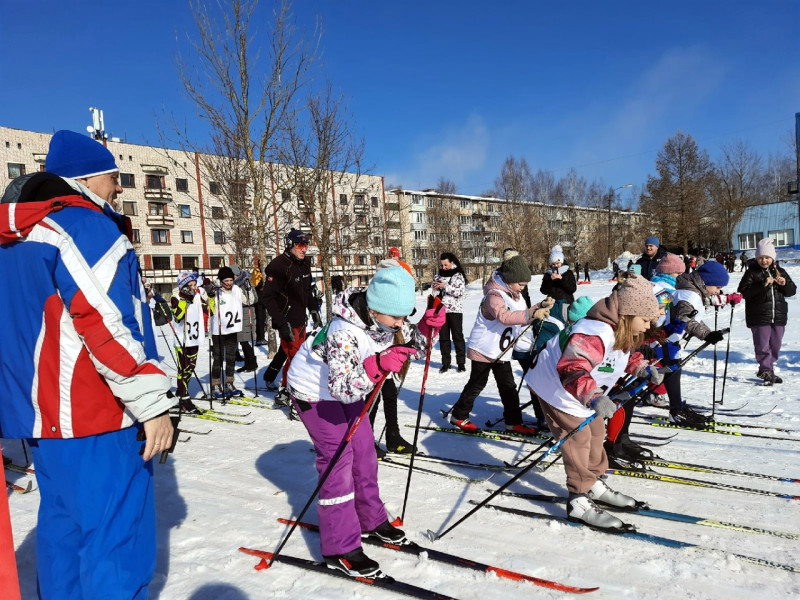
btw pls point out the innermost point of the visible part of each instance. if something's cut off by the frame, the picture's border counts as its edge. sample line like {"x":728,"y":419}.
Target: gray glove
{"x":603,"y":406}
{"x":651,"y":373}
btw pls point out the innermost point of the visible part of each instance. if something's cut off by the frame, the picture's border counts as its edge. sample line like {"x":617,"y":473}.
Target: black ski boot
{"x":397,"y":445}
{"x":386,"y":532}
{"x":354,"y":563}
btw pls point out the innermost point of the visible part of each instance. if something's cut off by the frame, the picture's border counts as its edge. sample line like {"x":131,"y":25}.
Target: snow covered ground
{"x":226,"y":489}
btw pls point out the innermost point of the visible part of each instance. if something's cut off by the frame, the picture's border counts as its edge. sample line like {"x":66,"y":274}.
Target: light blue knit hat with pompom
{"x":391,"y":292}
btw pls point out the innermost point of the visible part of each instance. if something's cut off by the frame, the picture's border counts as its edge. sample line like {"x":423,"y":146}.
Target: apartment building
{"x":183,"y":218}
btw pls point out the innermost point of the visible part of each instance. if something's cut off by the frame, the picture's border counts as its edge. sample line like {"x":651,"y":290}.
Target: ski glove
{"x":603,"y":406}
{"x":285,"y":332}
{"x":548,"y":303}
{"x":390,"y":360}
{"x":432,"y":321}
{"x":718,"y":299}
{"x":651,"y":373}
{"x":540,"y":314}
{"x":734,"y":299}
{"x":714,"y":337}
{"x":316,"y":319}
{"x":675,"y":326}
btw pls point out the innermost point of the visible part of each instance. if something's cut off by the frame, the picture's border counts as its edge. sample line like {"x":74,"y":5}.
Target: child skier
{"x":188,"y":308}
{"x":500,"y":319}
{"x":224,"y":325}
{"x":329,"y":381}
{"x":693,"y":291}
{"x":572,"y":375}
{"x":765,"y":288}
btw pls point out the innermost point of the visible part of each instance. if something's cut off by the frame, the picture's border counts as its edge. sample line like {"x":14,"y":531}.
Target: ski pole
{"x":331,"y":464}
{"x":437,"y":303}
{"x":528,"y":362}
{"x":9,"y":577}
{"x":714,"y":381}
{"x":434,"y":536}
{"x":727,"y":354}
{"x":490,"y":423}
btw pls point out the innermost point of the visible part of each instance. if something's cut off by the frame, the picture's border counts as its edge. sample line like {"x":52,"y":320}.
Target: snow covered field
{"x":226,"y":489}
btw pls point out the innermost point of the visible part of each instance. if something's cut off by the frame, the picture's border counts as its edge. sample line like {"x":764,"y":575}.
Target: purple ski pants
{"x":767,"y":342}
{"x":349,"y":501}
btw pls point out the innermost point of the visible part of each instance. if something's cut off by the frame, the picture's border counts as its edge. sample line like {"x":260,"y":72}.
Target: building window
{"x":748,"y":241}
{"x":420,"y":235}
{"x":127,"y":180}
{"x":363,"y":259}
{"x":189,"y":262}
{"x":376,"y":241}
{"x":129,"y":208}
{"x":419,"y":217}
{"x":135,"y":236}
{"x":215,"y":262}
{"x":213,"y":187}
{"x":464,"y":219}
{"x":186,"y":237}
{"x":217,"y":212}
{"x":162,"y":263}
{"x":466,"y":204}
{"x":157,"y":209}
{"x":466,"y":236}
{"x":345,"y":240}
{"x":154,"y":182}
{"x":782,"y":237}
{"x":347,"y":259}
{"x":417,"y":200}
{"x":219,"y":237}
{"x":285,"y":196}
{"x":376,"y":222}
{"x":185,"y":210}
{"x":343,"y":199}
{"x":182,"y":185}
{"x":358,"y":200}
{"x":374,"y":200}
{"x":160,"y":236}
{"x":15,"y":170}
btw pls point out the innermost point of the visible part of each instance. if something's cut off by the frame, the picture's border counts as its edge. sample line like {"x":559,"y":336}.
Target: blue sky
{"x":449,"y":88}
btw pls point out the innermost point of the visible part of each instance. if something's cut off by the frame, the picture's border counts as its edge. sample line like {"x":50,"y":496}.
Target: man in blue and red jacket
{"x":81,"y":373}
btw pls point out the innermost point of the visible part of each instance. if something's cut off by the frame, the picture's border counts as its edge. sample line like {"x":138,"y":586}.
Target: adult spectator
{"x":257,"y":281}
{"x":653,"y":252}
{"x":287,"y":294}
{"x":451,"y":283}
{"x":558,"y":281}
{"x":81,"y":375}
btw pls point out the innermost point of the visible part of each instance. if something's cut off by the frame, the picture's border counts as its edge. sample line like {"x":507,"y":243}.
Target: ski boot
{"x":581,"y":509}
{"x":355,"y":564}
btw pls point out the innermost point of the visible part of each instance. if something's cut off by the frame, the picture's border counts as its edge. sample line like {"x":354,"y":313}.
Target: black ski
{"x":451,"y":461}
{"x":459,"y":561}
{"x":729,"y":425}
{"x":404,"y":465}
{"x":645,"y":537}
{"x":505,"y":436}
{"x":385,"y":582}
{"x":710,"y":429}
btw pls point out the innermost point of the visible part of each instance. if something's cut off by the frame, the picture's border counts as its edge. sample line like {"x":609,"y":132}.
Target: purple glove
{"x":390,"y":360}
{"x":734,"y":299}
{"x":431,"y":321}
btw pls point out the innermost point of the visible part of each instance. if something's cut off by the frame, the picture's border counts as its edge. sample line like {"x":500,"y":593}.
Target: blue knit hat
{"x":391,"y":292}
{"x":652,"y":240}
{"x":579,"y":308}
{"x":713,"y":273}
{"x":76,"y":156}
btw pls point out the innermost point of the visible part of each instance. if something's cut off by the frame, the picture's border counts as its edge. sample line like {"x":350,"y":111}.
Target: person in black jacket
{"x":287,"y":294}
{"x":765,"y":287}
{"x":653,"y":253}
{"x":558,"y":281}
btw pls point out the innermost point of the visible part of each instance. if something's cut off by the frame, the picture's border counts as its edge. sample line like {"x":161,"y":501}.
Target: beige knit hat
{"x":636,"y":297}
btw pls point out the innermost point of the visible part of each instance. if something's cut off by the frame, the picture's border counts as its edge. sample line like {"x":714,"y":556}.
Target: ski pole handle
{"x":176,"y":421}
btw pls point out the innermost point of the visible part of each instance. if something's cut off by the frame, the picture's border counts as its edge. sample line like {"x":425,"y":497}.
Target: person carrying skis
{"x":188,"y":308}
{"x":246,"y":336}
{"x":81,"y":375}
{"x":451,"y":283}
{"x":558,"y":281}
{"x":330,"y":378}
{"x":765,"y":287}
{"x":224,"y":326}
{"x":693,"y":291}
{"x":500,"y":321}
{"x":573,"y":374}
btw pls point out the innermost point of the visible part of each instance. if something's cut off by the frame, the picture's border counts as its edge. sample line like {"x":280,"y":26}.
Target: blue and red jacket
{"x":78,"y":355}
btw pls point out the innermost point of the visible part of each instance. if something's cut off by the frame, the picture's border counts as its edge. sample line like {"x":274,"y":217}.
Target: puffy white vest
{"x":543,"y":377}
{"x":308,"y":373}
{"x":191,"y":330}
{"x":692,"y":298}
{"x":491,"y":338}
{"x":227,"y":317}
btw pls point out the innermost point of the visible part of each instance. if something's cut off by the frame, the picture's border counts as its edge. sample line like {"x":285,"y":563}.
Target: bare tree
{"x":735,"y":187}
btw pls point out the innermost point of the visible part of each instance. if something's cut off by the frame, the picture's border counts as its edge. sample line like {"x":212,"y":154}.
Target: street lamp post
{"x":611,"y":196}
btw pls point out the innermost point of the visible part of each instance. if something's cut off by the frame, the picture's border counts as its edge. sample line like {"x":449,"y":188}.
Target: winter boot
{"x":688,"y":418}
{"x":658,"y":400}
{"x":231,"y":390}
{"x":187,"y":406}
{"x":521,"y":429}
{"x":282,"y":397}
{"x":396,"y":444}
{"x":463,"y":424}
{"x":766,"y":377}
{"x":600,"y":492}
{"x":355,"y":563}
{"x":380,"y":452}
{"x":386,"y":532}
{"x":216,"y":389}
{"x":461,"y":368}
{"x":445,"y":368}
{"x":269,"y":378}
{"x":632,"y":450}
{"x":581,"y":509}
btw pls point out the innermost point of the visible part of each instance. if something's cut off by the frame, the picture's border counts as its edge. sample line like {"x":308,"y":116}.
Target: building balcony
{"x":156,"y":194}
{"x":160,"y":221}
{"x":155,"y":169}
{"x":419,"y":227}
{"x":392,"y":207}
{"x":361,"y":209}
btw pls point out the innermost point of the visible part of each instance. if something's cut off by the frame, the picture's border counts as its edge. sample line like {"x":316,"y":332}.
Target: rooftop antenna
{"x":97,"y":129}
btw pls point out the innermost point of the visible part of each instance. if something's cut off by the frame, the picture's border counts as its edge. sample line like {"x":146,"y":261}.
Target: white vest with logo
{"x":544,"y":380}
{"x":227,"y":312}
{"x":308,"y":373}
{"x":491,"y":338}
{"x":191,"y":329}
